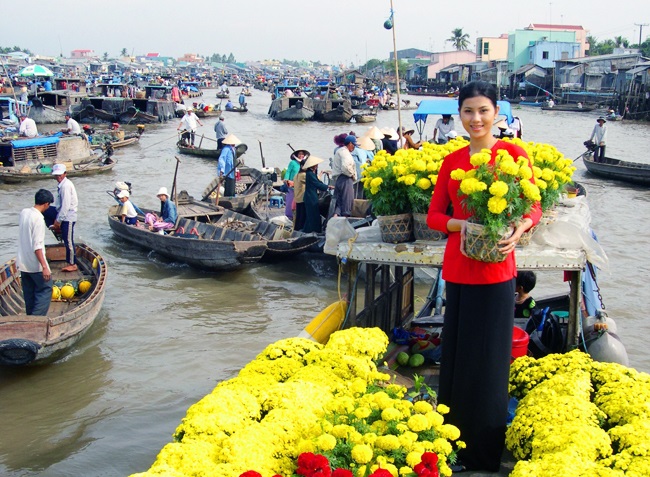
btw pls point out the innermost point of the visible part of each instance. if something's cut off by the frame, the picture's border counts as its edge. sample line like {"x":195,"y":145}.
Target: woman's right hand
{"x":463,"y":226}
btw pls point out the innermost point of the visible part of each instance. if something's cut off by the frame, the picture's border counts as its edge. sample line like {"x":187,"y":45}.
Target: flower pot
{"x":421,"y":230}
{"x":396,"y":228}
{"x":481,"y":247}
{"x":527,"y":236}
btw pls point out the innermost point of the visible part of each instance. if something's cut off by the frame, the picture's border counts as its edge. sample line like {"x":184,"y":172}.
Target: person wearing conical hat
{"x":375,"y":135}
{"x":226,"y":166}
{"x":313,"y":222}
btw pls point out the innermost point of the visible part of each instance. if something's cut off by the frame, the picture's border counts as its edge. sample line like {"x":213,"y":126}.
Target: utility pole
{"x":640,"y":25}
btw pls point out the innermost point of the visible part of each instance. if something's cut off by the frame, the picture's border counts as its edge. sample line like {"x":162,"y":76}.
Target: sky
{"x":334,"y":32}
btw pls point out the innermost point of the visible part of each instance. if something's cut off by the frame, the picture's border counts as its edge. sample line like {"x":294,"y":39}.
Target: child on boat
{"x":127,"y":211}
{"x":524,"y":303}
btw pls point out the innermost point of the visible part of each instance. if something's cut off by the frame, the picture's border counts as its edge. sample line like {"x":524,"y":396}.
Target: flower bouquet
{"x":497,"y":195}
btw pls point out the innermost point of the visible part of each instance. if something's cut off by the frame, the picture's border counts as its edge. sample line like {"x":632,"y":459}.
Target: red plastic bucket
{"x":519,"y":343}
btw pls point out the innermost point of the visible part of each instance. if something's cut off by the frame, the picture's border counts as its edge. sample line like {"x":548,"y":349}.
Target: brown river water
{"x":167,"y":334}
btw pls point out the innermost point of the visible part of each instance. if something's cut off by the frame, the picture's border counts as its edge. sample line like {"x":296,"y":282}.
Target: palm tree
{"x":459,"y":39}
{"x":620,"y":41}
{"x":123,"y":52}
{"x":105,"y":56}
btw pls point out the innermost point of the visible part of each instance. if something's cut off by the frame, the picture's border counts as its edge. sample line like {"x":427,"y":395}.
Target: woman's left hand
{"x":508,"y":245}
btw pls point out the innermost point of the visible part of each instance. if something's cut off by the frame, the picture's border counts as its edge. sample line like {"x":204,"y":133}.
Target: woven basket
{"x":481,"y":247}
{"x":527,"y":236}
{"x":396,"y":228}
{"x":421,"y":230}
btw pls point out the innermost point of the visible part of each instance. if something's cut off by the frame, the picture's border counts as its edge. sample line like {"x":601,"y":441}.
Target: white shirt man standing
{"x":600,"y":135}
{"x":66,"y":214}
{"x":189,"y":122}
{"x":344,"y":174}
{"x":35,"y":273}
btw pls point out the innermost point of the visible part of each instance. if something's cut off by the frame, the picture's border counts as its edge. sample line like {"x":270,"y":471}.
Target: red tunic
{"x":457,"y":268}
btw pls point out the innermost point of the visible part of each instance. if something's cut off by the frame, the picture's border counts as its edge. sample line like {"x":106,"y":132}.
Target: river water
{"x":167,"y":334}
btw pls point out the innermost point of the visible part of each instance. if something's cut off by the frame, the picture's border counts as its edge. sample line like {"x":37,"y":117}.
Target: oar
{"x":178,"y":161}
{"x":288,"y":144}
{"x":262,"y":154}
{"x":582,"y":155}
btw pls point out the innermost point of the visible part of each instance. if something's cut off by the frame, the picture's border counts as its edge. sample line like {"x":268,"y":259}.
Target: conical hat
{"x":231,"y":140}
{"x":311,"y":162}
{"x":391,"y":133}
{"x":501,"y":124}
{"x":366,"y":143}
{"x":374,"y":133}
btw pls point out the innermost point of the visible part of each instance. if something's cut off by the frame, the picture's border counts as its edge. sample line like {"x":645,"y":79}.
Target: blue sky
{"x":336,"y":31}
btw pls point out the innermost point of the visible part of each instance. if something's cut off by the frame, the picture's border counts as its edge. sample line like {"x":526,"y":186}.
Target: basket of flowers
{"x":497,"y":195}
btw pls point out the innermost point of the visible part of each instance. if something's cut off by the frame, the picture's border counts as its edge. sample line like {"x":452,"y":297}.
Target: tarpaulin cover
{"x":450,"y":106}
{"x":37,"y":141}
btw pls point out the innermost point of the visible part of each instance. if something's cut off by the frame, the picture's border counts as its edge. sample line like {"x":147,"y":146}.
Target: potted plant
{"x":497,"y":195}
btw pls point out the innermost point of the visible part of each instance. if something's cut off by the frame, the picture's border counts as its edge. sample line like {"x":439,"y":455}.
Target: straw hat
{"x":374,"y":133}
{"x":366,"y":143}
{"x":231,"y":140}
{"x":311,"y":162}
{"x":391,"y":133}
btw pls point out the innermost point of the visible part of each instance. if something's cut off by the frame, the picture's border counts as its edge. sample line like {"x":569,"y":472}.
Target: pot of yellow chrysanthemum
{"x":497,"y":195}
{"x":387,"y":187}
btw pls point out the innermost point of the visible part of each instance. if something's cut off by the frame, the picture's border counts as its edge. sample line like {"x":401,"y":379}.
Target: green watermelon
{"x":402,"y":358}
{"x":416,"y":360}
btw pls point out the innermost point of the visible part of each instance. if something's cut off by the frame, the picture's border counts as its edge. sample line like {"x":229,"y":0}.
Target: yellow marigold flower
{"x":509,"y":167}
{"x":449,"y":431}
{"x":361,"y":453}
{"x":424,"y":183}
{"x":435,"y":418}
{"x":362,"y":412}
{"x":531,"y":191}
{"x":341,"y":431}
{"x":418,"y":423}
{"x":496,"y":205}
{"x":376,"y":182}
{"x":457,"y":175}
{"x":391,"y":414}
{"x":547,"y":174}
{"x":480,"y":158}
{"x":370,"y":438}
{"x":419,"y":165}
{"x":442,"y":409}
{"x":356,"y":437}
{"x":410,"y":179}
{"x":471,"y":185}
{"x":442,"y":446}
{"x":422,"y":407}
{"x":413,"y":458}
{"x":525,"y":172}
{"x":537,"y":172}
{"x":387,"y":443}
{"x":326,"y":442}
{"x":399,"y":170}
{"x":499,"y":188}
{"x":404,"y":470}
{"x":541,"y":184}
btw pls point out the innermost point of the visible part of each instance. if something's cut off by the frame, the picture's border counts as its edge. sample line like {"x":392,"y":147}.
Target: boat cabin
{"x":73,"y":84}
{"x":9,"y":108}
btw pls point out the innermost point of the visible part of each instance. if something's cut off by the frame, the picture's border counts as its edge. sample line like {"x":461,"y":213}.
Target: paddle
{"x":288,"y":144}
{"x":262,"y":154}
{"x":178,"y":161}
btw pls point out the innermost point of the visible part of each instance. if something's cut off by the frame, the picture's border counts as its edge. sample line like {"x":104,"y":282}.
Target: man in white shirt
{"x":600,"y":134}
{"x":443,"y":127}
{"x":27,"y":126}
{"x":344,"y":174}
{"x":72,"y":126}
{"x":189,"y":122}
{"x":35,"y":274}
{"x":66,"y":214}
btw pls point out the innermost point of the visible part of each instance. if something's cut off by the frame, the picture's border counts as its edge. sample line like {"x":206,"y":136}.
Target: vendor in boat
{"x":344,"y":175}
{"x":35,"y":274}
{"x":189,"y":123}
{"x":71,"y":126}
{"x":229,"y":105}
{"x":389,"y":141}
{"x":226,"y":167}
{"x":599,"y":133}
{"x":168,"y":214}
{"x":221,"y":131}
{"x":409,"y":143}
{"x":128,"y":214}
{"x":443,"y":126}
{"x":242,"y":100}
{"x":27,"y":126}
{"x":313,"y":222}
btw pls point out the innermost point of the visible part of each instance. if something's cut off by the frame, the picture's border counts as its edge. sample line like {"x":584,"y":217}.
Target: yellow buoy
{"x":95,"y":264}
{"x":84,"y":286}
{"x":67,"y":291}
{"x":325,"y":323}
{"x":56,"y":293}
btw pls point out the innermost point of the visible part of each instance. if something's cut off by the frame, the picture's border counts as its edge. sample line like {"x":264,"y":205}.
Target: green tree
{"x":645,"y":48}
{"x":619,"y":41}
{"x":216,"y":58}
{"x":105,"y":56}
{"x":231,"y":58}
{"x":401,"y":65}
{"x":459,"y":39}
{"x":124,"y":52}
{"x":370,"y":64}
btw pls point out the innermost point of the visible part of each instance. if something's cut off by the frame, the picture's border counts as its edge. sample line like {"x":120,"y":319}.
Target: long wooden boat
{"x":531,"y":103}
{"x":292,"y":109}
{"x":13,"y":176}
{"x":248,"y":188}
{"x":209,"y":153}
{"x":211,"y":248}
{"x":27,"y":339}
{"x":332,"y":110}
{"x":568,"y":107}
{"x":610,"y":168}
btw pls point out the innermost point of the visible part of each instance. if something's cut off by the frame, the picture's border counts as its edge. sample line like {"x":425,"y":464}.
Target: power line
{"x":640,"y":25}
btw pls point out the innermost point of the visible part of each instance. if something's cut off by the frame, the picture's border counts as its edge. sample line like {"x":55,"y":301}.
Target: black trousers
{"x":599,"y":154}
{"x":37,"y":293}
{"x":475,"y":366}
{"x":229,"y":188}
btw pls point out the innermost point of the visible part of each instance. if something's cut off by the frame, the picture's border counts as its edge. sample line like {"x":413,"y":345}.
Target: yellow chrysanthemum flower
{"x":496,"y":205}
{"x":498,"y":188}
{"x":361,"y":453}
{"x":424,"y":183}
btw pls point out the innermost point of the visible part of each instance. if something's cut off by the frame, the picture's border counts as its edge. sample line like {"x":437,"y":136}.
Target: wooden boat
{"x":610,"y":168}
{"x":13,"y":176}
{"x":365,"y":117}
{"x":134,"y":115}
{"x":29,"y":339}
{"x":531,"y":103}
{"x":116,"y":139}
{"x":208,"y":153}
{"x":210,"y":248}
{"x":248,"y":187}
{"x":292,"y":109}
{"x":223,"y":95}
{"x":23,"y":154}
{"x":568,"y":107}
{"x":213,"y":113}
{"x":332,"y":110}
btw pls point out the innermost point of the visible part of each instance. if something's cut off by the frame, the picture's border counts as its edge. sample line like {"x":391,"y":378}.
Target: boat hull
{"x":632,"y":172}
{"x":78,"y":170}
{"x":29,"y":339}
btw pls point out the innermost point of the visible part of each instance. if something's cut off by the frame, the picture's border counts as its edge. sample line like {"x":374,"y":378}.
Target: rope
{"x":160,"y":142}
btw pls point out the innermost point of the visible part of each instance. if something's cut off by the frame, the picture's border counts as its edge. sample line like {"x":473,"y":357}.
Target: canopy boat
{"x":294,"y":108}
{"x":248,"y":187}
{"x":610,"y":168}
{"x":568,"y":107}
{"x":25,"y":156}
{"x":332,"y":110}
{"x":191,"y":89}
{"x":201,"y":245}
{"x":27,"y":339}
{"x":206,"y":152}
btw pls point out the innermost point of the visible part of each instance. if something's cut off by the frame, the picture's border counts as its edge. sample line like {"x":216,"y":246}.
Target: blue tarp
{"x":450,"y":106}
{"x":37,"y":141}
